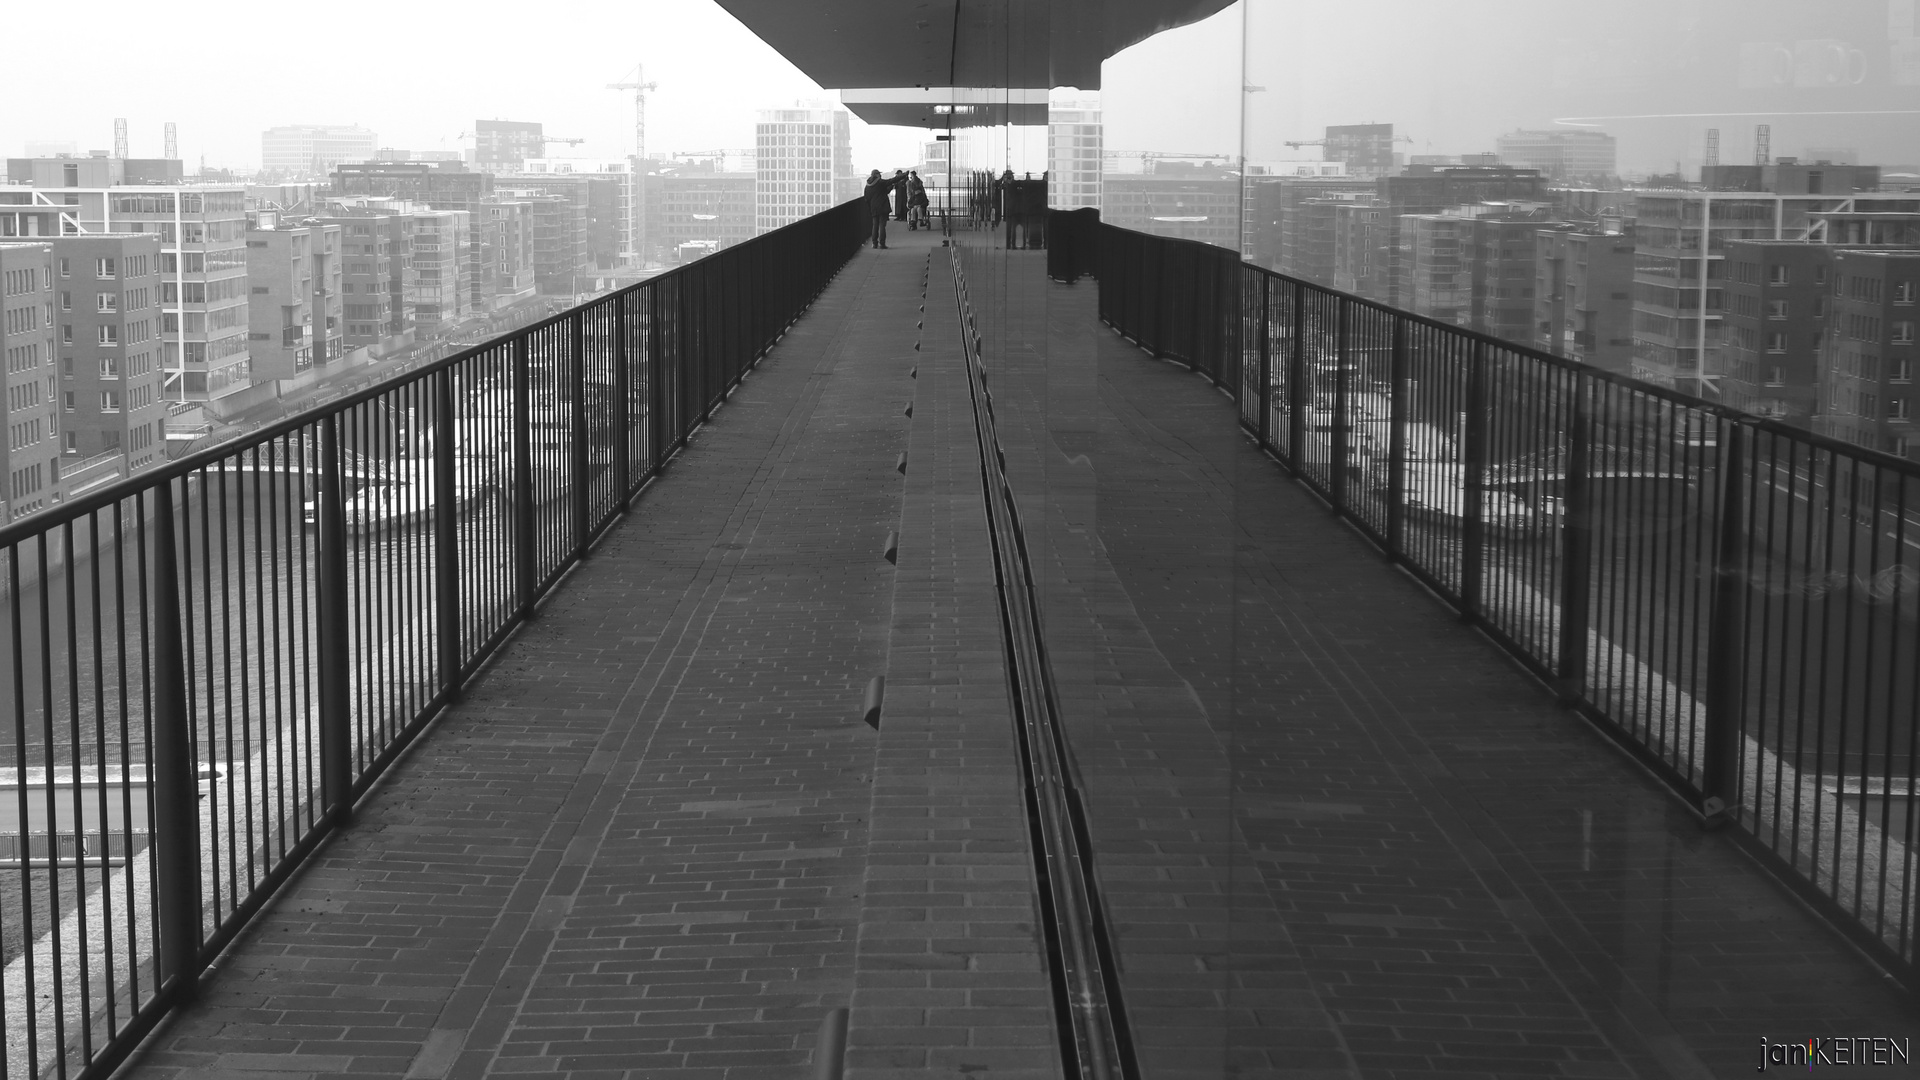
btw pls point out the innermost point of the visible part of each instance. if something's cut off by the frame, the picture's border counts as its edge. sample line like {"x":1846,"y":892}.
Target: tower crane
{"x":636,"y":210}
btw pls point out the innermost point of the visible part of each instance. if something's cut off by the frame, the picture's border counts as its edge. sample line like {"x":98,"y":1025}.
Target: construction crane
{"x":1323,"y":142}
{"x":636,"y":211}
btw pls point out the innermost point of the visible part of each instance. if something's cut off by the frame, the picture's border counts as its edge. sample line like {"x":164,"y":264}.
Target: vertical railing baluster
{"x":656,"y":379}
{"x":1397,"y":421}
{"x":446,"y":533}
{"x":1263,"y":395}
{"x":525,"y":557}
{"x":336,"y":712}
{"x":1342,"y":414}
{"x":1473,"y":480}
{"x":176,"y":784}
{"x":623,"y":406}
{"x":1576,"y":547}
{"x":582,"y":438}
{"x":1297,"y":383}
{"x":1726,"y":641}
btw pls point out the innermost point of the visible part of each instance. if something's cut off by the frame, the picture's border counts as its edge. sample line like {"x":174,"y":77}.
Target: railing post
{"x":1263,"y":398}
{"x":582,"y":436}
{"x":1726,"y":643}
{"x":1397,"y":420}
{"x":1297,"y":383}
{"x":176,"y":784}
{"x":336,"y":713}
{"x":1342,"y":348}
{"x":1474,"y":486}
{"x":446,"y":533}
{"x":525,"y":557}
{"x":1576,"y":547}
{"x":623,"y":405}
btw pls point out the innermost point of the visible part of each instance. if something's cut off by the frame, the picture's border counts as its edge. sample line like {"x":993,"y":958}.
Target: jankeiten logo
{"x":1836,"y":1050}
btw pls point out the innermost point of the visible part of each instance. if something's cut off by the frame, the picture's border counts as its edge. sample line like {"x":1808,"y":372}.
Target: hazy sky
{"x":1451,"y":75}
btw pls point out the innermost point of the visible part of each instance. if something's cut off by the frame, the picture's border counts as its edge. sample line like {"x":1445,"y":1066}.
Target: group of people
{"x":901,"y":196}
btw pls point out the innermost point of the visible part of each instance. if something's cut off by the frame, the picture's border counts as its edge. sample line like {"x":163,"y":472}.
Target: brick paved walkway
{"x":1338,"y":835}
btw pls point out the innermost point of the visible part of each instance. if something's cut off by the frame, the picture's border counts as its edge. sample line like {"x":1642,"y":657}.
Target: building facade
{"x":313,"y":151}
{"x":803,"y":164}
{"x":111,"y":399}
{"x":1867,"y":392}
{"x":1566,"y":155}
{"x":504,"y":146}
{"x":438,"y":242}
{"x":378,"y":292}
{"x":697,"y":204}
{"x":1177,"y":199}
{"x":1776,"y":298}
{"x":1074,"y":154}
{"x":31,"y":451}
{"x":1583,"y":296}
{"x":295,"y":293}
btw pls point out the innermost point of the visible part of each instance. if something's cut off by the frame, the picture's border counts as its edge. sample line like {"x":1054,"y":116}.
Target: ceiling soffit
{"x":866,"y":44}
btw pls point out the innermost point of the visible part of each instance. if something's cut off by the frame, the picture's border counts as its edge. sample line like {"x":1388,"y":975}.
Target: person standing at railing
{"x":916,"y":202}
{"x":879,"y":205}
{"x":899,"y":195}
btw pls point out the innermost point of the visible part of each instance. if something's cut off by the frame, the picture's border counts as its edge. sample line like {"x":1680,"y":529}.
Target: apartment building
{"x":1361,"y":258}
{"x":1867,"y":392}
{"x":312,"y":151}
{"x":1474,"y":266}
{"x":29,"y":458}
{"x":1583,"y":295}
{"x":1290,"y":222}
{"x":1681,"y":245}
{"x":111,"y":380}
{"x":803,"y":164}
{"x":439,"y":246}
{"x":378,"y":291}
{"x":294,"y":303}
{"x":503,"y":146}
{"x":1777,"y":300}
{"x":441,"y":185}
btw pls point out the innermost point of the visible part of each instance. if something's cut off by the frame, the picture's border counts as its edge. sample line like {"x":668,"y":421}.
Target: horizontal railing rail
{"x":1732,"y":599}
{"x":206,"y":665}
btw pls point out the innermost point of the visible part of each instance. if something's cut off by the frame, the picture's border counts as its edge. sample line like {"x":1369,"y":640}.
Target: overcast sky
{"x":1450,"y":75}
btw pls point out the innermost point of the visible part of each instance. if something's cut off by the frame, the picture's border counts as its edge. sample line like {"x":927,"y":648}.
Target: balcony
{"x":822,"y":651}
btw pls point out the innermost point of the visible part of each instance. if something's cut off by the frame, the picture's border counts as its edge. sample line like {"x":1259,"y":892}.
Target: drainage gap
{"x":1095,"y":1043}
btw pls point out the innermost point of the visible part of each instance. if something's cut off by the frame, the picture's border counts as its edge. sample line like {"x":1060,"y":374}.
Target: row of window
{"x":25,"y":358}
{"x":26,"y":481}
{"x":1850,"y":402}
{"x":25,"y":320}
{"x":26,"y":433}
{"x":25,"y":280}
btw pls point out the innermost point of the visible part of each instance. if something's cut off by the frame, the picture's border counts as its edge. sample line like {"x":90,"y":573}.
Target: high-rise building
{"x":1571,"y":154}
{"x":1367,"y":149}
{"x":1290,"y":221}
{"x":313,"y":151}
{"x":439,"y":241}
{"x":1367,"y":244}
{"x":1074,"y":144}
{"x":1583,"y":295}
{"x":1474,"y":266}
{"x":1867,"y":393}
{"x":503,"y":146}
{"x":443,"y":186}
{"x":377,"y":288}
{"x":803,"y":164}
{"x":294,"y":307}
{"x":96,"y":170}
{"x":29,"y":456}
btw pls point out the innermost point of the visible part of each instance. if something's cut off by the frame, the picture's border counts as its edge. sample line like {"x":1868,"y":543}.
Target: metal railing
{"x":1732,"y":599}
{"x":206,"y":666}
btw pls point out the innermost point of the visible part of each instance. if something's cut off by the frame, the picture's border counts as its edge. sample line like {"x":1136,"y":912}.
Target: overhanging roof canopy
{"x":973,"y":45}
{"x":946,"y":106}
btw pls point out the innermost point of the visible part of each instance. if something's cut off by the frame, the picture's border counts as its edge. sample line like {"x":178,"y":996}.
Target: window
{"x":73,"y":442}
{"x":66,"y":301}
{"x":106,"y":267}
{"x":1819,"y":275}
{"x":1776,"y":309}
{"x":106,"y":301}
{"x":1904,"y":292}
{"x":109,"y":401}
{"x":1903,"y":333}
{"x":1776,"y":376}
{"x":66,"y":333}
{"x":1777,"y":342}
{"x":1897,"y":410}
{"x":1902,"y":369}
{"x":109,"y":334}
{"x":65,"y":270}
{"x":66,"y":401}
{"x":109,"y":367}
{"x":1778,"y":274}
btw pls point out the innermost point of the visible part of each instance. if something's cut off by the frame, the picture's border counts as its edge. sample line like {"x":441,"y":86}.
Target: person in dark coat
{"x":900,"y":195}
{"x":879,"y":206}
{"x":916,"y":202}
